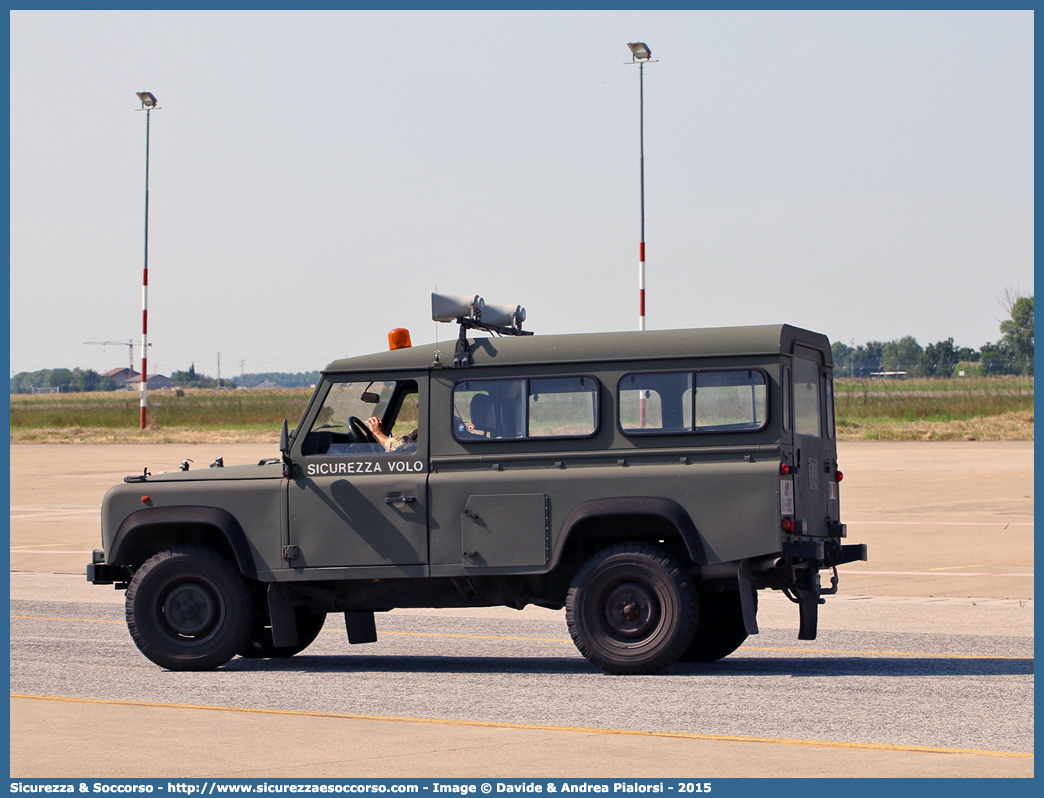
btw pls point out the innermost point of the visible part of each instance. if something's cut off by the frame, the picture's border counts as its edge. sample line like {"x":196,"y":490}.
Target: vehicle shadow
{"x":734,"y":666}
{"x":305,"y":663}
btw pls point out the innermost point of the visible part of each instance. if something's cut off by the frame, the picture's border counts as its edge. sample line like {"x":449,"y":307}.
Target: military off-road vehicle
{"x":649,"y":483}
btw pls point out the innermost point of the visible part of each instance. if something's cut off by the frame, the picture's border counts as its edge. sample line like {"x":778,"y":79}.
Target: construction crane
{"x":129,"y":343}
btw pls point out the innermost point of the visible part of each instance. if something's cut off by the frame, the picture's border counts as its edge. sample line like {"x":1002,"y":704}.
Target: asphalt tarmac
{"x":923,"y":665}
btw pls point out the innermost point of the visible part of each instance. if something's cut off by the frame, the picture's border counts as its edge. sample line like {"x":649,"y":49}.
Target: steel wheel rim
{"x":190,"y":609}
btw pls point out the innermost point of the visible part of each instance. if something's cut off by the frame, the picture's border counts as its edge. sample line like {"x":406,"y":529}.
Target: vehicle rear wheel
{"x":720,"y":630}
{"x":631,"y":609}
{"x":188,"y":609}
{"x":259,"y":644}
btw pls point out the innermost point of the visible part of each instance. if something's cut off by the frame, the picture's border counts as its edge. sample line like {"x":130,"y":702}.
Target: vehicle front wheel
{"x":631,"y":609}
{"x":259,"y":643}
{"x":188,"y":609}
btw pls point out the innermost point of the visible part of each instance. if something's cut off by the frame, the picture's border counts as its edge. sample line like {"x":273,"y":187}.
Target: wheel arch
{"x":151,"y":530}
{"x":657,"y":517}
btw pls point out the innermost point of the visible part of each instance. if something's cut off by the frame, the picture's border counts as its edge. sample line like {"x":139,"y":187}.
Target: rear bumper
{"x":827,"y":552}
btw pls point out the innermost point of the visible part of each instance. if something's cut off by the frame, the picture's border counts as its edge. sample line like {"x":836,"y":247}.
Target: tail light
{"x":840,"y":476}
{"x":784,"y":469}
{"x":788,"y":525}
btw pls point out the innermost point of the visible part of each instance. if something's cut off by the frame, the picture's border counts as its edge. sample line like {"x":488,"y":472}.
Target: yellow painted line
{"x":480,"y":637}
{"x":37,"y":546}
{"x":569,"y":640}
{"x":722,"y":738}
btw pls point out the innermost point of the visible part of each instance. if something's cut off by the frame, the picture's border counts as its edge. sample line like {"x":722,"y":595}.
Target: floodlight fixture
{"x":148,"y":99}
{"x":640,"y":51}
{"x":472,"y":313}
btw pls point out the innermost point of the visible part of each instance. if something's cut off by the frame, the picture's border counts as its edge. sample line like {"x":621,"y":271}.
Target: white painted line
{"x":924,"y":573}
{"x":39,"y":551}
{"x":943,"y":523}
{"x":34,"y":512}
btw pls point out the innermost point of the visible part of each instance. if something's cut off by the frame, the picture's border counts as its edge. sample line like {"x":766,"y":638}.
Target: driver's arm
{"x":405,"y":444}
{"x":377,"y":429}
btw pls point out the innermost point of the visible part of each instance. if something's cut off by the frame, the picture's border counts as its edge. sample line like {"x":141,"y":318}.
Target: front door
{"x":359,"y":494}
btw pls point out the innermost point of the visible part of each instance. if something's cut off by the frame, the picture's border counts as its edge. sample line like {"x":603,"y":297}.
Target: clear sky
{"x":314,"y":176}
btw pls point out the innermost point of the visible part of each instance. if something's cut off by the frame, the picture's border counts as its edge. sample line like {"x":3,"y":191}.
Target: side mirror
{"x":284,"y":449}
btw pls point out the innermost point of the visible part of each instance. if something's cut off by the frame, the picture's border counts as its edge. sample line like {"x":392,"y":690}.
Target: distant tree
{"x":60,"y":378}
{"x":995,"y":359}
{"x":867,"y":359}
{"x":1017,"y":332}
{"x":842,"y":354}
{"x":902,"y":354}
{"x":938,"y":360}
{"x":186,"y":379}
{"x":87,"y":380}
{"x":21,"y":382}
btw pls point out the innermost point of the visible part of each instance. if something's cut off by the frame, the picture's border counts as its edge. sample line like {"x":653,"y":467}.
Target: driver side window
{"x":343,"y":424}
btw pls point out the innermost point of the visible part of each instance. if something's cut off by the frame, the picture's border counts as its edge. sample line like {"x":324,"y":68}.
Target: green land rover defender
{"x":648,"y":482}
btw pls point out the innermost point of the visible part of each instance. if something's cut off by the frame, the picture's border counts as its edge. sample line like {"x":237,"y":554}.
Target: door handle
{"x":403,"y":499}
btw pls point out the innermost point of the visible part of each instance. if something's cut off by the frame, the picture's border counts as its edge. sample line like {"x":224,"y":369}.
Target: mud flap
{"x":746,"y":591}
{"x":808,"y":612}
{"x":361,"y":627}
{"x":281,"y":611}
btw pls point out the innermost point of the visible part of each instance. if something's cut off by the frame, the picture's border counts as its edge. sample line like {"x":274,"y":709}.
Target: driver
{"x":404,"y":444}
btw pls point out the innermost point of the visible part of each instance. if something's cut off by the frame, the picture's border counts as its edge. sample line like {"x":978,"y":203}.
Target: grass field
{"x":200,"y":415}
{"x":966,"y":409}
{"x":982,"y":408}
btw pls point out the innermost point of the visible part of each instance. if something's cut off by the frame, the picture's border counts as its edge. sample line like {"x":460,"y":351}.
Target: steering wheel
{"x":360,"y":432}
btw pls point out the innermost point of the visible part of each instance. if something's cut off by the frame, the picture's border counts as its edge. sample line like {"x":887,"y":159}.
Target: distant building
{"x":155,"y":382}
{"x":121,"y":376}
{"x":268,"y":384}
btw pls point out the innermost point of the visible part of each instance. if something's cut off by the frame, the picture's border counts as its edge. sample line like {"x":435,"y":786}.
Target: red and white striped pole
{"x":640,"y":54}
{"x":641,"y":167}
{"x":148,"y":102}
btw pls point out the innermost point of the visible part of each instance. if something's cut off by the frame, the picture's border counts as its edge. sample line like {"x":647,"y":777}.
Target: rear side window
{"x":734,"y":400}
{"x":830,"y":408}
{"x":553,"y":407}
{"x":656,"y":402}
{"x":807,"y":416}
{"x":701,"y":401}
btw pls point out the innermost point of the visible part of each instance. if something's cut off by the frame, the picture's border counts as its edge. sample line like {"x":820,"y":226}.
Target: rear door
{"x":815,"y":486}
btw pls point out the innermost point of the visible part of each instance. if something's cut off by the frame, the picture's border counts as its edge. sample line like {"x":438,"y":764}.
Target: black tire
{"x":720,"y":630}
{"x":631,"y":609}
{"x":188,"y":609}
{"x":259,"y":643}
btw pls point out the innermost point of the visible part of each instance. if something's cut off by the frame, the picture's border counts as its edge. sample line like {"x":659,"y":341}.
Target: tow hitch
{"x":804,"y":585}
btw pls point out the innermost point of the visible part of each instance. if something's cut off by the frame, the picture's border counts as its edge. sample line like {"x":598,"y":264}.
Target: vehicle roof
{"x":768,"y":339}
